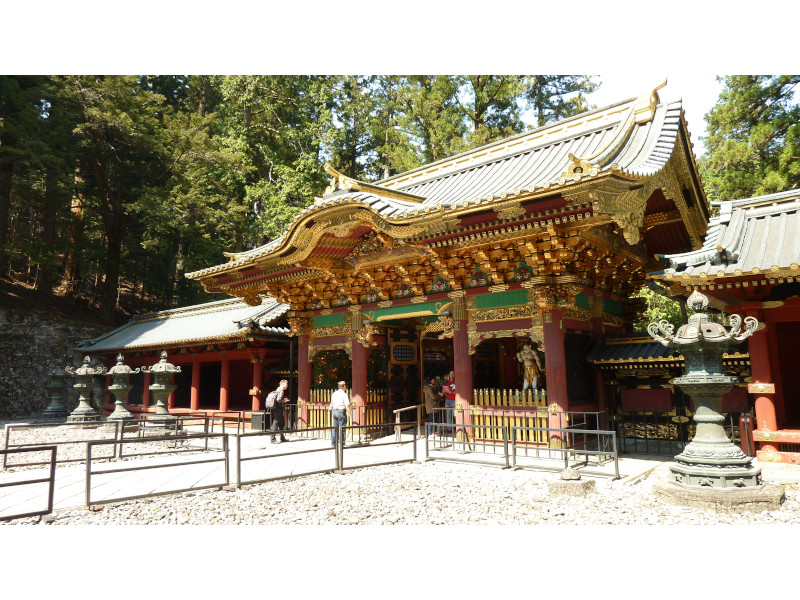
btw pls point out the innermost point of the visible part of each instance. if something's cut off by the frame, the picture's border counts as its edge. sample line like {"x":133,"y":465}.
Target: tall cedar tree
{"x":753,"y":143}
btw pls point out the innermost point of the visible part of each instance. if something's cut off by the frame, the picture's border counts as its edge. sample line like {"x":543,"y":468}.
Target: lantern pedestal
{"x":55,"y":412}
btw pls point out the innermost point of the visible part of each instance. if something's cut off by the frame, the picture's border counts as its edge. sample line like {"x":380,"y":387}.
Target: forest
{"x":113,"y":187}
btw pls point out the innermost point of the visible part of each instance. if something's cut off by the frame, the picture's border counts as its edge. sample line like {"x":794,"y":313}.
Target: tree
{"x":659,"y":307}
{"x":490,"y":105}
{"x":556,"y":97}
{"x":753,"y":145}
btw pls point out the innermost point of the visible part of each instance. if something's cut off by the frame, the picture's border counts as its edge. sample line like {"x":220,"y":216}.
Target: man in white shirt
{"x":338,"y":406}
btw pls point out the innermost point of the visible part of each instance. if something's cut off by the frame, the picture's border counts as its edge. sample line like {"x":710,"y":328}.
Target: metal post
{"x":340,"y":446}
{"x":513,"y":449}
{"x":225,"y":449}
{"x":414,"y":442}
{"x":336,"y":451}
{"x":51,"y":492}
{"x":238,"y":461}
{"x":505,"y":445}
{"x":88,"y":472}
{"x":5,"y":454}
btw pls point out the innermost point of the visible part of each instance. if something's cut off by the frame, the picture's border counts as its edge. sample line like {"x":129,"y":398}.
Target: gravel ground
{"x":420,"y":494}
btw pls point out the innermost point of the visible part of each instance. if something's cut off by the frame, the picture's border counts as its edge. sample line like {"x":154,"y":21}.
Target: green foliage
{"x":113,"y":187}
{"x":754,"y":138}
{"x":658,"y":307}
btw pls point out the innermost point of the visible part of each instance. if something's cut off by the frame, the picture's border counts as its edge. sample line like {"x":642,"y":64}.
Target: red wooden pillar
{"x":146,"y":392}
{"x":194,"y":401}
{"x":510,"y":362}
{"x":303,"y":381}
{"x":775,"y":368}
{"x":556,"y":369}
{"x":258,"y":377}
{"x":762,"y":373}
{"x":359,"y":388}
{"x":597,"y":331}
{"x":462,"y":365}
{"x":225,"y":384}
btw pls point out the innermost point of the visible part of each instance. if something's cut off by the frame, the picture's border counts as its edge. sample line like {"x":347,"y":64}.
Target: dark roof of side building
{"x":225,"y":320}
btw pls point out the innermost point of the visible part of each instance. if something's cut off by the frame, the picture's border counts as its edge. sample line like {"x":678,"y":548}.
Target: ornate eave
{"x":367,"y":242}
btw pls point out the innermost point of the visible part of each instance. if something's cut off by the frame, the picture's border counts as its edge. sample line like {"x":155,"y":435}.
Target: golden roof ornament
{"x":339,"y":181}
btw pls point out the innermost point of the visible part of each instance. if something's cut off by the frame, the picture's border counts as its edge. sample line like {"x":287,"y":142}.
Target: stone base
{"x":755,"y":499}
{"x":579,"y":487}
{"x":53,"y":414}
{"x":84,"y":418}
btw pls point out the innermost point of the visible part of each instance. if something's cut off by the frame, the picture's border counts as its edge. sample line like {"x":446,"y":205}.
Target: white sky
{"x":699,"y":93}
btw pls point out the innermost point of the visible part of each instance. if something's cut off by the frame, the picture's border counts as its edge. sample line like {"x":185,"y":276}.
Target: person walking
{"x":449,"y":390}
{"x":274,"y":403}
{"x":338,"y":407}
{"x":431,"y":404}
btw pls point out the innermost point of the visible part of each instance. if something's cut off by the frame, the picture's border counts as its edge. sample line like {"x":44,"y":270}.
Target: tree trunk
{"x":6,"y":177}
{"x":72,"y":268}
{"x":112,"y":271}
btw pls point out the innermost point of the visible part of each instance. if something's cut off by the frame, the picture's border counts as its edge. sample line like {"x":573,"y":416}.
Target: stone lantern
{"x":84,"y":413}
{"x":55,"y":412}
{"x":161,"y":387}
{"x":711,"y":470}
{"x":120,"y":387}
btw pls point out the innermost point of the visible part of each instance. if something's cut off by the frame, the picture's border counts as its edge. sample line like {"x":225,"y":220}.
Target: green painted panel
{"x":513,"y":298}
{"x":582,"y":300}
{"x":613,"y":307}
{"x":382,"y":313}
{"x":328,"y":320}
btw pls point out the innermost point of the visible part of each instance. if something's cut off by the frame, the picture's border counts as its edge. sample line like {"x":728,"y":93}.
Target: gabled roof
{"x":627,"y":347}
{"x":225,"y":320}
{"x":758,"y":235}
{"x":631,"y":140}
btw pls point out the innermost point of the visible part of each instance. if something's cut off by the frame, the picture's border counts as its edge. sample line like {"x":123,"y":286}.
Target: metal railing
{"x":661,"y":432}
{"x":50,"y":480}
{"x":574,"y":443}
{"x":10,"y":428}
{"x":397,"y":425}
{"x":338,"y":463}
{"x":220,"y":415}
{"x":566,"y":443}
{"x":90,"y":473}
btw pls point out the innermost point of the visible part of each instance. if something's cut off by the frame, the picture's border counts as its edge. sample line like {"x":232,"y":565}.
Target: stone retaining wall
{"x":30,"y":345}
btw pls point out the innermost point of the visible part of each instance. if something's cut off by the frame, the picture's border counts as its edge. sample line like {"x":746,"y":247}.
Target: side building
{"x":750,"y":265}
{"x":229,"y":353}
{"x":537,"y":239}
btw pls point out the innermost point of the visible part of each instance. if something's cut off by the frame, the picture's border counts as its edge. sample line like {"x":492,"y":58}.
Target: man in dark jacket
{"x":274,"y":402}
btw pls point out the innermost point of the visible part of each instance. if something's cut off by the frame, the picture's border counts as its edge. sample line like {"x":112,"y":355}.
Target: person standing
{"x":431,"y":404}
{"x":449,"y":390}
{"x":274,"y":403}
{"x":338,"y":406}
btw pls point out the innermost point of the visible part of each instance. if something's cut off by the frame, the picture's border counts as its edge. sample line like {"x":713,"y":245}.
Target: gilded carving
{"x":331,"y":330}
{"x":444,"y":325}
{"x":761,"y":388}
{"x":297,"y":326}
{"x":313,"y":349}
{"x":575,"y":313}
{"x":769,"y":457}
{"x":365,"y":334}
{"x":502,"y":314}
{"x":766,"y":436}
{"x":535,"y":333}
{"x":612,"y":319}
{"x":511,"y":213}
